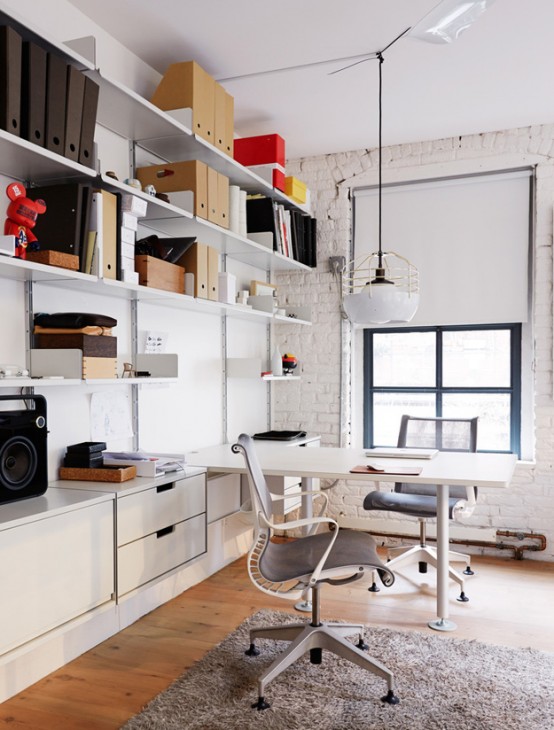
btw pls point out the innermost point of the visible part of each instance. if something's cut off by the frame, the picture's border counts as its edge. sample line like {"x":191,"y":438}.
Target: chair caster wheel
{"x":362,"y":645}
{"x":462,"y":598}
{"x":260,"y":705}
{"x":252,"y":651}
{"x":374,"y":588}
{"x":468,"y":571}
{"x":390,"y":698}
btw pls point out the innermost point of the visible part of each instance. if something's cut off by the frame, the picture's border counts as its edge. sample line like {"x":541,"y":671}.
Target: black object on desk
{"x":280,"y":435}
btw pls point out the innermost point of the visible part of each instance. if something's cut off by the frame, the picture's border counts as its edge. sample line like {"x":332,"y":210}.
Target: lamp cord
{"x":380,"y":59}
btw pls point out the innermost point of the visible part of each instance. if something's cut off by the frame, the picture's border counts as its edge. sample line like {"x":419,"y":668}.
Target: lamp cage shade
{"x":380,"y":289}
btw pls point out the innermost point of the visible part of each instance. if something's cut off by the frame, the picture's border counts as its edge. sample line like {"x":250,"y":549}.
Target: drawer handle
{"x":165,"y":487}
{"x":165,"y":531}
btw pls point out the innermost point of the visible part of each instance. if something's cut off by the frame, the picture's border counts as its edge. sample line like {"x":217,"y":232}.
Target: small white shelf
{"x":23,"y":270}
{"x":23,"y":160}
{"x":281,"y":377}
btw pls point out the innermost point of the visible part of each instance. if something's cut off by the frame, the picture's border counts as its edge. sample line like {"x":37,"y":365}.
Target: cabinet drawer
{"x":54,"y":570}
{"x":145,"y":559}
{"x":223,"y":496}
{"x":147,"y":512}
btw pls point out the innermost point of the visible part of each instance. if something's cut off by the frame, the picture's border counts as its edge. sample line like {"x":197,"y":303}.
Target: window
{"x":457,"y":371}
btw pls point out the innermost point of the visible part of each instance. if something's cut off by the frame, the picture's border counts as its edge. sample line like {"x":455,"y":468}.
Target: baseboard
{"x":410,"y":528}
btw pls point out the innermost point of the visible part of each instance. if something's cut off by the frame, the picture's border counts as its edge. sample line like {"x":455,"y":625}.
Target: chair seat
{"x":415,"y":505}
{"x":297,"y":560}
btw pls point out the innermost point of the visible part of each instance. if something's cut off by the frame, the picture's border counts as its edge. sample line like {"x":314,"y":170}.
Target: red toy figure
{"x":22,"y":216}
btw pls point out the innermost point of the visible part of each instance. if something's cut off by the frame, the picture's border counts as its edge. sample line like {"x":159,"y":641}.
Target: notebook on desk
{"x":375,"y":468}
{"x":402,"y":453}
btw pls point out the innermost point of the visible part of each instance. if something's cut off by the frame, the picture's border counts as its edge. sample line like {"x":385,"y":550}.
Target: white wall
{"x":316,"y":405}
{"x":180,"y":417}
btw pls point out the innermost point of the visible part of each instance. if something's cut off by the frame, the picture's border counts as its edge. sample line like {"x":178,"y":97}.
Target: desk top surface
{"x":481,"y":470}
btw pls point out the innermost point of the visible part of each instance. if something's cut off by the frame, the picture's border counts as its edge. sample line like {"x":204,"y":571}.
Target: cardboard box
{"x":296,"y":189}
{"x":160,"y":274}
{"x":195,"y":261}
{"x":222,"y":200}
{"x":177,"y":176}
{"x":213,"y":274}
{"x":186,"y":84}
{"x":99,"y":367}
{"x":54,"y":258}
{"x":224,"y":125}
{"x":261,"y":150}
{"x":213,"y":197}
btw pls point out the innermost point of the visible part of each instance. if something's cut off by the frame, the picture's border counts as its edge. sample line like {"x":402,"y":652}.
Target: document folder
{"x":88,"y":123}
{"x":75,"y":91}
{"x":56,"y":76}
{"x":11,"y":50}
{"x":33,"y":93}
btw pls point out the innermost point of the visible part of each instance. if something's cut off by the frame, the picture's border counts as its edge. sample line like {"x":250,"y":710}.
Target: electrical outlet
{"x":337,"y":263}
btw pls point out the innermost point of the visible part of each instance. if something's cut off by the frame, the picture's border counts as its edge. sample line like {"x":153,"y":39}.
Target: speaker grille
{"x":18,"y":463}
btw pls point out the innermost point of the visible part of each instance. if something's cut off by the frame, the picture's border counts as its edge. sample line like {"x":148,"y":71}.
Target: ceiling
{"x":497,"y":75}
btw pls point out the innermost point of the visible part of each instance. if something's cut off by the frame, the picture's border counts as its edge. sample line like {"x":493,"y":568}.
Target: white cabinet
{"x":56,"y":562}
{"x":158,"y":529}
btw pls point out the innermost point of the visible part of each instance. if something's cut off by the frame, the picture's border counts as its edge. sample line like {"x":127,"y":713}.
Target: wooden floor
{"x":510,"y":604}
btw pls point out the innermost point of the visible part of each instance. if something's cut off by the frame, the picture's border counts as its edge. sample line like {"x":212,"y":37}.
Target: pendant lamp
{"x":383,"y":286}
{"x":448,"y":20}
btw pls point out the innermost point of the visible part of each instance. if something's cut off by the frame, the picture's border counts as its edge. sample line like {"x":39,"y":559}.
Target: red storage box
{"x":267,"y":148}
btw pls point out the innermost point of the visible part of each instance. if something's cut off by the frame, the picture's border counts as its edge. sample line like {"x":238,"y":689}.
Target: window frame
{"x":513,"y":390}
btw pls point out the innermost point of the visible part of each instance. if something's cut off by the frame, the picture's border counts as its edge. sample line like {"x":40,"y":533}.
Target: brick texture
{"x":320,"y":402}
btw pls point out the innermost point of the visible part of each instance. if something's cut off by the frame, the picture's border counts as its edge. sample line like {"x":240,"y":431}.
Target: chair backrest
{"x":259,"y":491}
{"x":444,"y":434}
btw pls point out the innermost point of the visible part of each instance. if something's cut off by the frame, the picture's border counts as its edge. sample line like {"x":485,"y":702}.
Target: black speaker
{"x":23,"y":448}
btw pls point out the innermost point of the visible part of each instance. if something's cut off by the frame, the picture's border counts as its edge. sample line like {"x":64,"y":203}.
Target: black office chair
{"x":420,"y":500}
{"x":289,"y":569}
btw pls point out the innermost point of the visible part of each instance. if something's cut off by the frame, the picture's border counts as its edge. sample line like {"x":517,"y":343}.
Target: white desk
{"x":481,"y":470}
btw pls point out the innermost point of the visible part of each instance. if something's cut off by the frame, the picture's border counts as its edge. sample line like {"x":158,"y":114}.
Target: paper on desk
{"x":147,"y":465}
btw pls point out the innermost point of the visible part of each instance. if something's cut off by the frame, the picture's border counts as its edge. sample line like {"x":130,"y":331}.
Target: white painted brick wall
{"x":314,"y":402}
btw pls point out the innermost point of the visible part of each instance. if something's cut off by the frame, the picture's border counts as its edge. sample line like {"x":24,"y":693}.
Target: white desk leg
{"x":306,"y":510}
{"x":442,"y":623}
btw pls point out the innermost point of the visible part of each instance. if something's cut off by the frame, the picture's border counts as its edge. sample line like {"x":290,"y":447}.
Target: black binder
{"x":75,"y":92}
{"x":33,"y":93}
{"x":88,"y":123}
{"x":10,"y":80}
{"x":86,"y":205}
{"x":56,"y":80}
{"x":59,"y":229}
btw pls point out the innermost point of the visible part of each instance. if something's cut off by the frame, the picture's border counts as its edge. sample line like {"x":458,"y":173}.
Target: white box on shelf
{"x":129,"y":277}
{"x":133,"y":204}
{"x":127,"y":263}
{"x":227,"y":290}
{"x":189,"y":283}
{"x":127,"y":235}
{"x":128,"y":250}
{"x":7,"y":245}
{"x":128,"y":220}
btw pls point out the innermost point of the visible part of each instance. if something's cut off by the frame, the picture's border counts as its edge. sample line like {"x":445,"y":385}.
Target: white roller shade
{"x":469,"y":238}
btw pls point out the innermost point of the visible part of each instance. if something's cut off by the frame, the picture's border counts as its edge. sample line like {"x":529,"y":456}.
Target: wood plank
{"x":510,"y":605}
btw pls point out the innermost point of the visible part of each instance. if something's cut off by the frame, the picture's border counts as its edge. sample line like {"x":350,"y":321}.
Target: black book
{"x":313,"y":243}
{"x":55,"y":103}
{"x":86,"y":205}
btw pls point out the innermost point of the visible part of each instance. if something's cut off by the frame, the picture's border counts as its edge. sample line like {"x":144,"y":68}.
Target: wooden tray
{"x":100,"y":474}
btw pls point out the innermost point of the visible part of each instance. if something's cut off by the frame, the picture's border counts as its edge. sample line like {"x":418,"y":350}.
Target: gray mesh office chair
{"x":420,"y":500}
{"x":289,"y":569}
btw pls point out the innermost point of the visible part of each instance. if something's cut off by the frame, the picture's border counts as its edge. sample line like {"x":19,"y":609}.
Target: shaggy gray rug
{"x":442,"y":683}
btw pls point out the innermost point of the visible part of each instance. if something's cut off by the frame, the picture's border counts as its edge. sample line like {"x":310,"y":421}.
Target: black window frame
{"x":514,"y":389}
